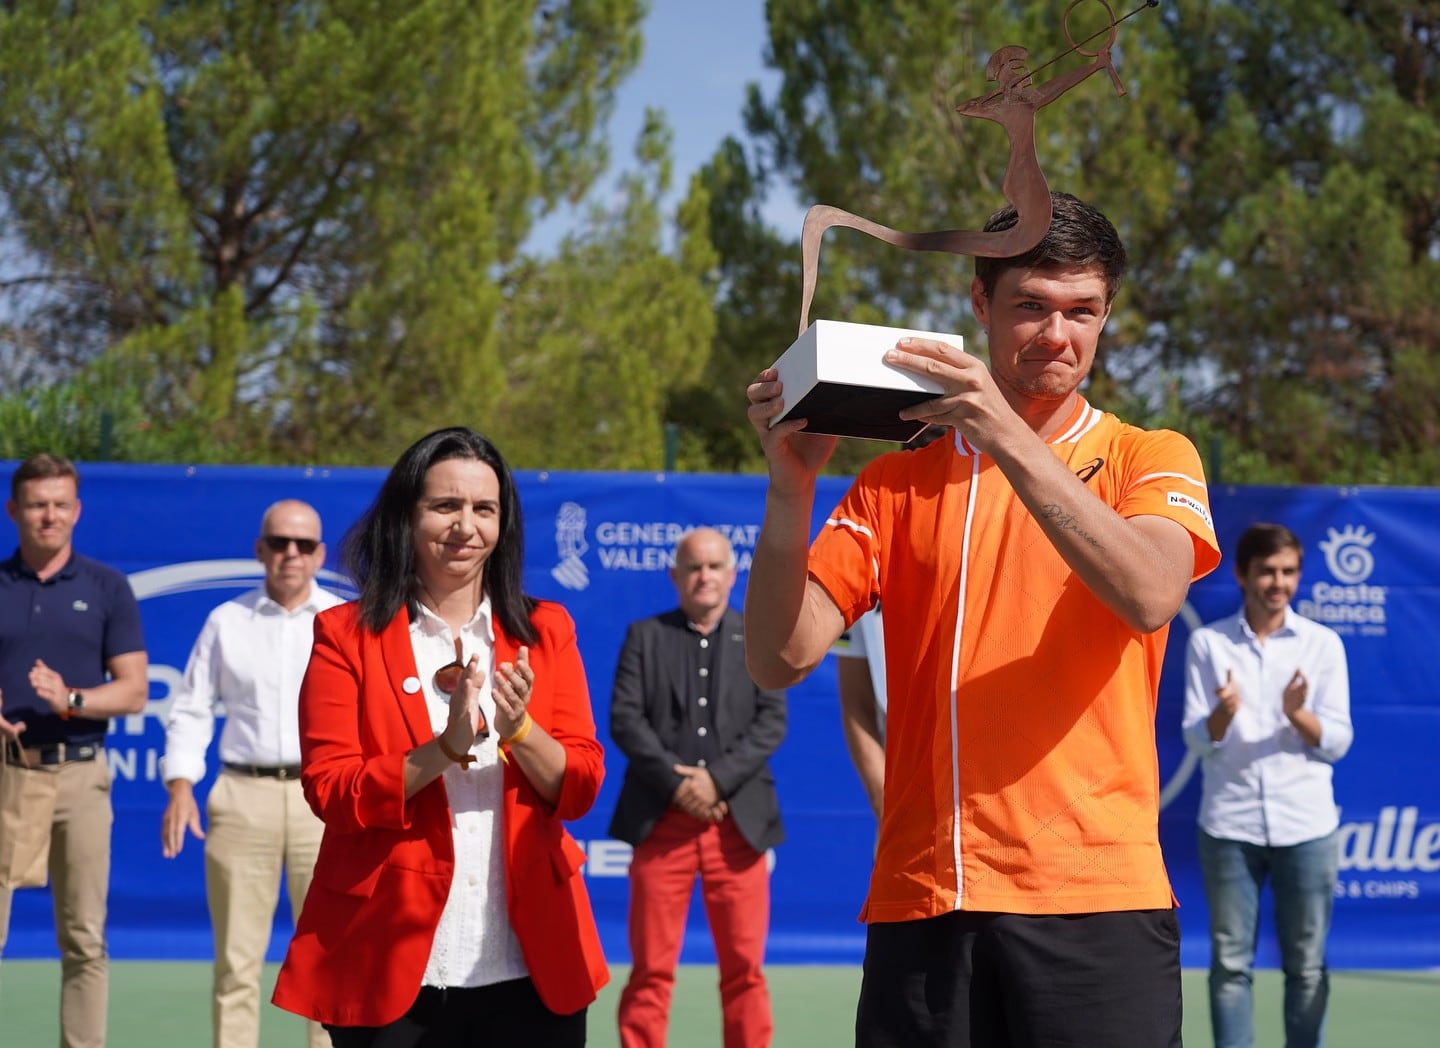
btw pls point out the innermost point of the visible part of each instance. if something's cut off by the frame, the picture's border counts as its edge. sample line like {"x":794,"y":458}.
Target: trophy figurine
{"x":833,"y":373}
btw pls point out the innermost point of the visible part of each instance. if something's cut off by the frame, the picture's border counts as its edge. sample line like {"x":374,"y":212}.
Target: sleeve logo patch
{"x":1194,"y":505}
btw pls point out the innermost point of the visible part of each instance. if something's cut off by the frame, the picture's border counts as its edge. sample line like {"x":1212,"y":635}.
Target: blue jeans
{"x":1302,"y":878}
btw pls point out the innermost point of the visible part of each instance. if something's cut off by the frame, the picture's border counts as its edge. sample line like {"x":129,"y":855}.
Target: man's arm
{"x":1226,"y":706}
{"x":790,"y":621}
{"x":1201,"y":698}
{"x":189,"y":727}
{"x":861,"y":725}
{"x":182,"y":812}
{"x":126,"y":691}
{"x":1139,"y":567}
{"x":630,"y":726}
{"x":1318,"y":703}
{"x":9,"y":729}
{"x":705,"y":790}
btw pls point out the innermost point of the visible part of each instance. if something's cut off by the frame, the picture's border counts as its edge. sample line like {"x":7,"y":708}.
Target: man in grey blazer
{"x":698,"y":796}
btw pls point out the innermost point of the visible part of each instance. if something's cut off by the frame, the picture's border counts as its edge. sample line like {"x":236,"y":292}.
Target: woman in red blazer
{"x":446,"y":732}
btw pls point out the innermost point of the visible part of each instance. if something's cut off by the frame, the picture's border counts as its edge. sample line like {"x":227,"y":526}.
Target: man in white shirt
{"x":251,"y":657}
{"x":860,"y":674}
{"x":1267,"y":707}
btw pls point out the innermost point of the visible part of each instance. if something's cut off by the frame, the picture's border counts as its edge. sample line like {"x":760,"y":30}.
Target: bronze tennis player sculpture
{"x":833,"y":374}
{"x":1013,"y":105}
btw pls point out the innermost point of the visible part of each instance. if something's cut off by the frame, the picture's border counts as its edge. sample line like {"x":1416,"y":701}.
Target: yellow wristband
{"x":521,"y":732}
{"x":462,"y":759}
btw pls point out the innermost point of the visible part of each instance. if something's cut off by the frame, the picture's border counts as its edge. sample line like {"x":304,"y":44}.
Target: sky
{"x":699,"y":56}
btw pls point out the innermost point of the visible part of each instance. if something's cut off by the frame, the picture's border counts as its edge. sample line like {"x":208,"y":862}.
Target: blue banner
{"x":601,"y":544}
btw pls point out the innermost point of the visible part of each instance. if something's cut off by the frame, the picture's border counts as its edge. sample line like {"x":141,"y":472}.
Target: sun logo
{"x":1347,"y":553}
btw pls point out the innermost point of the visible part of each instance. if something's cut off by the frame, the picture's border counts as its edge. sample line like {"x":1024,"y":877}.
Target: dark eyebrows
{"x":1095,"y":302}
{"x":1092,"y":302}
{"x":456,"y":500}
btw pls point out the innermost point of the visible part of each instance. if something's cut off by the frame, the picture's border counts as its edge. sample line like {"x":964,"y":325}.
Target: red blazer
{"x":363,"y":937}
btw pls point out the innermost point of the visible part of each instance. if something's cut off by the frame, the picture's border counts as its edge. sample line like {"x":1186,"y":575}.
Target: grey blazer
{"x":645,"y":720}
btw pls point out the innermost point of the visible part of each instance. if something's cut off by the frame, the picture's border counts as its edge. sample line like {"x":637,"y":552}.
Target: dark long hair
{"x":379,"y":551}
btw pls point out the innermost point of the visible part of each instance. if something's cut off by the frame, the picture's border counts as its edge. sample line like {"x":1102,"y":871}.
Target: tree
{"x":289,"y":224}
{"x":865,"y":119}
{"x":1274,"y":169}
{"x":599,"y":336}
{"x":754,"y":287}
{"x":1307,"y":330}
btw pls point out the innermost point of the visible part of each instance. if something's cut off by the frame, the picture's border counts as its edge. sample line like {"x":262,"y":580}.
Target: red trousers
{"x":736,"y":888}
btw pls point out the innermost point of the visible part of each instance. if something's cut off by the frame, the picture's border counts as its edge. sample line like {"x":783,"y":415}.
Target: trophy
{"x":834,"y":374}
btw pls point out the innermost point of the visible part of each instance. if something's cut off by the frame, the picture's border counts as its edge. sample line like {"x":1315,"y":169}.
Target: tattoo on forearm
{"x":1066,"y":522}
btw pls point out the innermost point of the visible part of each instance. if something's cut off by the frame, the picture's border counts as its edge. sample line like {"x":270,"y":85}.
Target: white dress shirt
{"x":247,"y":665}
{"x":1262,"y":783}
{"x":474,"y":944}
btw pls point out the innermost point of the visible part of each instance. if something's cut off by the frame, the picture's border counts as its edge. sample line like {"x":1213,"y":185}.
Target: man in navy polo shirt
{"x":66,"y":623}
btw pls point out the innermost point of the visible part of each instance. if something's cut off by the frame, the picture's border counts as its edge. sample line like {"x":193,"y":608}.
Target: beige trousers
{"x":256,"y":827}
{"x":80,"y":882}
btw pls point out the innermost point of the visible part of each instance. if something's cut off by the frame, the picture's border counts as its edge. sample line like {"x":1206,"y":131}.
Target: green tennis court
{"x":168,"y":1003}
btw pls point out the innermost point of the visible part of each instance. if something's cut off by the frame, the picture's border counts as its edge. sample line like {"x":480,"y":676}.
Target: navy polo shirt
{"x":75,"y":621}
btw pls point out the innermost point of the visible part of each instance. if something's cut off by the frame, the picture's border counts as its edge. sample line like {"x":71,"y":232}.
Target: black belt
{"x":265,"y":771}
{"x":52,"y":753}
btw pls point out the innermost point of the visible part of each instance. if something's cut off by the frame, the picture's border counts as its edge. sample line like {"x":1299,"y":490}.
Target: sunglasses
{"x":281,"y":543}
{"x":447,"y":679}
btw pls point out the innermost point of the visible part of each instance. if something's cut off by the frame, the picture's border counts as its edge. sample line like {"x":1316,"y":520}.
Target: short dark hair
{"x":1079,"y":236}
{"x":42,"y":467}
{"x":1262,"y":540}
{"x":379,"y":551}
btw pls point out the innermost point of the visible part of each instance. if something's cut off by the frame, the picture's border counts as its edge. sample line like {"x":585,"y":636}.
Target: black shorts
{"x":998,"y":980}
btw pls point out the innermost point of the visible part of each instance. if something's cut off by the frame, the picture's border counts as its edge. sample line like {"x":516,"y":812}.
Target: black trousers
{"x":501,"y":1015}
{"x":994,"y":980}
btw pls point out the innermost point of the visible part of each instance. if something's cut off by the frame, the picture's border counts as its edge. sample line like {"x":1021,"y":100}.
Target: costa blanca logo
{"x":1350,"y":605}
{"x":1347,"y":553}
{"x":570,"y":547}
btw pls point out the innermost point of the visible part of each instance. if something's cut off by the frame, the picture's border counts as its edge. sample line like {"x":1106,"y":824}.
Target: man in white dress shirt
{"x":1267,"y":707}
{"x":251,"y":656}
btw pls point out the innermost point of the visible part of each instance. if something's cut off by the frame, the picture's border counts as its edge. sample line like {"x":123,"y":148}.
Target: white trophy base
{"x":835,"y":377}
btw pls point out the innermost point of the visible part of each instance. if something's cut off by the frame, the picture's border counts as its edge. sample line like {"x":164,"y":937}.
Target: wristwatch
{"x":77,"y":700}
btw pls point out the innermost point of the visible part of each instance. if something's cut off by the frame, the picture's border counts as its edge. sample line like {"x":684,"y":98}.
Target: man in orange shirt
{"x":1029,"y":564}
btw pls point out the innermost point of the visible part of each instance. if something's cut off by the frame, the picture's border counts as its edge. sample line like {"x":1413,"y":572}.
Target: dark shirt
{"x":75,"y":621}
{"x":696,"y":744}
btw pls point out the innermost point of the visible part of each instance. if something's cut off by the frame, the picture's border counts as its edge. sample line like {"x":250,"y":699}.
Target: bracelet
{"x":462,"y":759}
{"x":521,"y":733}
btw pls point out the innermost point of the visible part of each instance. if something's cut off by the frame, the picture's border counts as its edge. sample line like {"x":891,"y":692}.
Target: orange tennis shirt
{"x":1020,"y":766}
